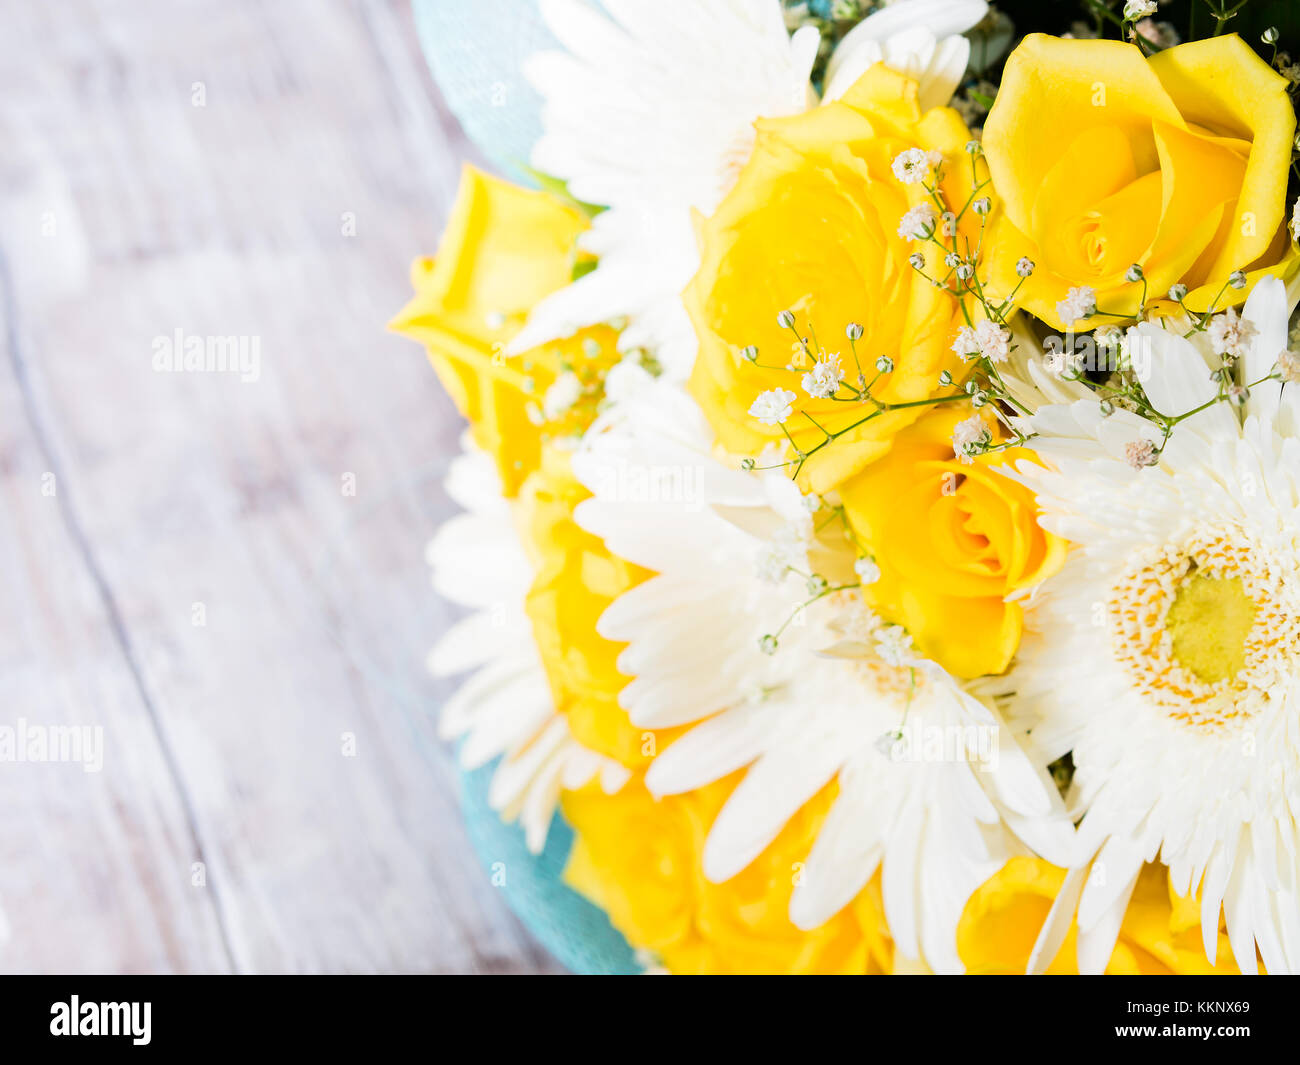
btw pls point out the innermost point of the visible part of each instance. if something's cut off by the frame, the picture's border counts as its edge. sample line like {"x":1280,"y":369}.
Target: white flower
{"x":894,"y":645}
{"x":994,"y":342}
{"x":1081,"y":302}
{"x":773,"y":407}
{"x":1060,"y":362}
{"x":970,"y":437}
{"x":652,"y":115}
{"x":918,"y":223}
{"x":1295,"y":219}
{"x":1136,"y":9}
{"x":1140,"y":454}
{"x":934,"y":827}
{"x":919,"y":38}
{"x":785,"y":551}
{"x":912,"y":166}
{"x":564,"y":392}
{"x":967,"y":344}
{"x":503,"y":708}
{"x":1161,"y":34}
{"x":1024,"y":266}
{"x":867,"y":570}
{"x":823,"y":381}
{"x":1165,"y":654}
{"x":1229,"y":334}
{"x":626,"y":378}
{"x":1288,"y":366}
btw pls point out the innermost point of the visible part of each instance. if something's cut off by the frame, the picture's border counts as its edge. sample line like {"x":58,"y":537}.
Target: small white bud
{"x":867,"y":570}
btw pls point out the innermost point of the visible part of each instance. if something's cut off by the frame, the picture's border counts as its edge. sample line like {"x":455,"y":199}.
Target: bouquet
{"x":882,"y":484}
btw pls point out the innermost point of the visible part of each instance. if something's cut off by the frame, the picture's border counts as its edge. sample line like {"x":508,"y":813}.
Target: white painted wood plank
{"x":228,"y":220}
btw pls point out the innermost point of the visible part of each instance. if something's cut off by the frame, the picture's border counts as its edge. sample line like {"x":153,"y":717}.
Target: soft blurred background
{"x":227,"y":577}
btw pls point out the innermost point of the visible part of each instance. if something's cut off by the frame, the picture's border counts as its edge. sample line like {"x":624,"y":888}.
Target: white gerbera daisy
{"x":1166,"y":653}
{"x":504,"y":708}
{"x":650,"y":111}
{"x":933,"y":788}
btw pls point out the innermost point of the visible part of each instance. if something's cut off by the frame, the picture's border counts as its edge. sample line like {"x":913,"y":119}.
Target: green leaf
{"x":560,"y":190}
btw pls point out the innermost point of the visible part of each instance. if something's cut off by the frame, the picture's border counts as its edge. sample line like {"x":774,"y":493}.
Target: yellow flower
{"x":640,"y":860}
{"x":811,"y":227}
{"x":953,"y":541}
{"x":1160,"y":934}
{"x":1104,"y":159}
{"x":504,"y":249}
{"x":576,"y":579}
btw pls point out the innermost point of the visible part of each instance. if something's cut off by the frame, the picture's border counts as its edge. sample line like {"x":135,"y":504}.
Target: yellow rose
{"x":504,"y":249}
{"x":1160,"y":934}
{"x":954,"y":541}
{"x":576,"y":579}
{"x":640,"y":859}
{"x":1103,"y":159}
{"x":811,"y":226}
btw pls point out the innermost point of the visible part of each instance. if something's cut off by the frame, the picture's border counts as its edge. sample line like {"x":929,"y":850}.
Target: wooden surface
{"x":134,"y":503}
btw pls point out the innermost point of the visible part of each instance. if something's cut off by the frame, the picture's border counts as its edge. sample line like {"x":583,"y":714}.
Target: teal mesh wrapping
{"x":571,"y":928}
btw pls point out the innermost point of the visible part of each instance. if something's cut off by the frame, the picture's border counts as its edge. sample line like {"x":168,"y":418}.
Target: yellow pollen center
{"x":1208,"y":623}
{"x":1208,"y":627}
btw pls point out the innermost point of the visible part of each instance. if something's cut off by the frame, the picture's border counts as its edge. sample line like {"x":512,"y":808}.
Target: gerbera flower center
{"x":1208,"y":623}
{"x":1207,"y":627}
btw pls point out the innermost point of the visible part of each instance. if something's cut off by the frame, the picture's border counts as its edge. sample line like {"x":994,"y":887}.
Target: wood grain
{"x":127,"y":213}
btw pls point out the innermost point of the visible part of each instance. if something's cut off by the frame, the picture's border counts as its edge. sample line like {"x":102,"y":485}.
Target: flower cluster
{"x":915,"y":587}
